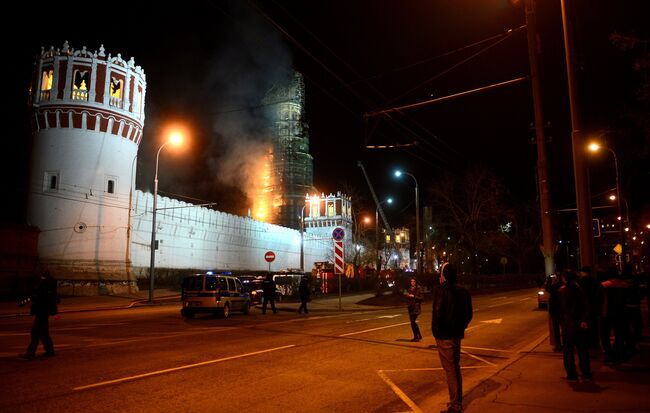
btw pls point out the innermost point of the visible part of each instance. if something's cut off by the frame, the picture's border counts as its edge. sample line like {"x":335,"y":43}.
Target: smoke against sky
{"x":242,"y":70}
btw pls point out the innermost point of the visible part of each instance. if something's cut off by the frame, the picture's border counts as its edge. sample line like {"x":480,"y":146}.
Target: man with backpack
{"x":44,"y":302}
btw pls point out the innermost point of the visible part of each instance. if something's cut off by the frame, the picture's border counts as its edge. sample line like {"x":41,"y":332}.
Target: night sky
{"x":209,"y":63}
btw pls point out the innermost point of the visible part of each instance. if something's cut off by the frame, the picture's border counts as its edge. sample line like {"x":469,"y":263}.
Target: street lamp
{"x":594,"y":147}
{"x":399,"y":173}
{"x":175,"y":138}
{"x":387,"y":201}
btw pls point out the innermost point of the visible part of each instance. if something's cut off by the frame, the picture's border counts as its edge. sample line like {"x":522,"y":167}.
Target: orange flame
{"x":262,"y":188}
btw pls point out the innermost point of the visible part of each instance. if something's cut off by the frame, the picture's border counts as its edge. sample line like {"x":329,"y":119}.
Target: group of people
{"x":585,"y":311}
{"x":268,"y":289}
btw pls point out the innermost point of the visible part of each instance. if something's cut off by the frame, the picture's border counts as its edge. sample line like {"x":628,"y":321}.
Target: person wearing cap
{"x":452,"y":313}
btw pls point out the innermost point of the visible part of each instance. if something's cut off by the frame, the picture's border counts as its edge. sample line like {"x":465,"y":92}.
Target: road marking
{"x":188,"y":366}
{"x":13,"y":334}
{"x":373,"y":329}
{"x":525,"y":299}
{"x":410,"y":403}
{"x":389,"y":316}
{"x":489,"y":349}
{"x":500,"y":304}
{"x":495,"y":321}
{"x":478,"y":358}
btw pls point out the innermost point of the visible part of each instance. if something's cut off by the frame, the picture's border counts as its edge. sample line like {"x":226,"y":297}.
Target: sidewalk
{"x":166,"y":296}
{"x":96,"y":303}
{"x":531,"y":382}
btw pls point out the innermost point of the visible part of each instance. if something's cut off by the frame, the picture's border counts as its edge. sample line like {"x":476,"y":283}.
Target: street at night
{"x":149,"y":359}
{"x":169,"y":167}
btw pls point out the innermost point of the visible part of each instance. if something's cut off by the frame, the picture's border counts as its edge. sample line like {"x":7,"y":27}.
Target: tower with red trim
{"x":87,"y":120}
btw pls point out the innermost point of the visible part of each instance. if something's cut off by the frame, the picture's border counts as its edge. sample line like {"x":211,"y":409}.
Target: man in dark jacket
{"x":44,"y":301}
{"x":268,"y":287}
{"x":574,"y":325}
{"x":452,"y":312}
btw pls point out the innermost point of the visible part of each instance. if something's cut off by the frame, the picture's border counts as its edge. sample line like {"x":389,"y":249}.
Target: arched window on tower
{"x":116,"y":92}
{"x":80,"y":85}
{"x":46,"y":83}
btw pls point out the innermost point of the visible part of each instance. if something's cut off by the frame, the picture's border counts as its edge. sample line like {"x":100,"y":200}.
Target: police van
{"x":213,"y":293}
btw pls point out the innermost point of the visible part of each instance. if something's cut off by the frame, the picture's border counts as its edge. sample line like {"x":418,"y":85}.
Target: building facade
{"x":94,"y":228}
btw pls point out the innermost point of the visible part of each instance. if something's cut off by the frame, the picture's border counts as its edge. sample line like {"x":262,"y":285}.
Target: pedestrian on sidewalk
{"x":415,"y":297}
{"x":303,"y":291}
{"x":452,"y":312}
{"x":44,"y":300}
{"x":268,"y":288}
{"x":574,"y":327}
{"x":590,"y":287}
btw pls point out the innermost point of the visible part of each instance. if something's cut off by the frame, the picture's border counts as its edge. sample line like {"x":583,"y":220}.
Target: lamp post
{"x":387,"y":201}
{"x":175,"y":139}
{"x":594,"y":147}
{"x":399,"y":173}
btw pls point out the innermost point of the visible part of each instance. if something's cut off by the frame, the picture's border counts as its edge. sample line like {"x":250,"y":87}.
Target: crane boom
{"x":374,"y":197}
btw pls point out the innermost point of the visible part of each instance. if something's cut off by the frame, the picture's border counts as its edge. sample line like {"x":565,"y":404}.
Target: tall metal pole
{"x":152,"y":264}
{"x":583,"y":197}
{"x":417,"y":229}
{"x":547,"y":247}
{"x":378,"y":261}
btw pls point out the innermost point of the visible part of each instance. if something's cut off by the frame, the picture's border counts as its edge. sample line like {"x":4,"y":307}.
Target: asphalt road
{"x":149,"y":359}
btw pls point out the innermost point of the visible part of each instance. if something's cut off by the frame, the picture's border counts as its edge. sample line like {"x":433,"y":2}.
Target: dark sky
{"x":209,"y":64}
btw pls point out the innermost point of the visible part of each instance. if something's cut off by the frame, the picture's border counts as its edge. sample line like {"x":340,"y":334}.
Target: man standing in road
{"x":268,"y":287}
{"x":303,"y":291}
{"x":452,"y":312}
{"x":44,"y":304}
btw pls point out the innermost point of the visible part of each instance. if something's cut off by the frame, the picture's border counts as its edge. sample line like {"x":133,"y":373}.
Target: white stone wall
{"x":79,"y":219}
{"x":200,"y":238}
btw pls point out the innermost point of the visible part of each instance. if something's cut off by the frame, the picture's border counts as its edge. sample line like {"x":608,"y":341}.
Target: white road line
{"x":188,"y":366}
{"x":373,"y":329}
{"x":489,"y":349}
{"x":526,"y":299}
{"x":410,"y":403}
{"x":478,"y":358}
{"x":500,"y":304}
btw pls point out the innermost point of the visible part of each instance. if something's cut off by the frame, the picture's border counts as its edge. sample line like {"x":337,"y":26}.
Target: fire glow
{"x":262,"y":184}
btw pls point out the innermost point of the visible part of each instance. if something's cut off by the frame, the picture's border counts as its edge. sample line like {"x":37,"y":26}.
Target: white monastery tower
{"x":87,"y":120}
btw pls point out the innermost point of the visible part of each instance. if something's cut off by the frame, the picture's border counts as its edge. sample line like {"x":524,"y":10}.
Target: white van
{"x":213,"y":293}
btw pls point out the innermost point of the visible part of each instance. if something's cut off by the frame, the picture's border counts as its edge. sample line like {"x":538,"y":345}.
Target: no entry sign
{"x":269,"y":256}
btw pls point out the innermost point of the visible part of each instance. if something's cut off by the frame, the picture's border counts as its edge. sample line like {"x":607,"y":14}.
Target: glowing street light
{"x":175,"y":139}
{"x":399,"y":173}
{"x":595,"y":147}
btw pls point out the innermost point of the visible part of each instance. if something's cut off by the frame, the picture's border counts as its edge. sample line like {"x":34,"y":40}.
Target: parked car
{"x":213,"y":293}
{"x":542,"y":298}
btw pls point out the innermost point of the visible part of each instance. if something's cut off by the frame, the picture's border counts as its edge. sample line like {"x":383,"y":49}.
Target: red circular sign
{"x":269,"y":256}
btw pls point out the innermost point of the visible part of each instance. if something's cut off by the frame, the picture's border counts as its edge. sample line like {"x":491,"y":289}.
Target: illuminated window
{"x":330,"y":210}
{"x":46,"y":84}
{"x":116,"y":92}
{"x":116,"y":88}
{"x":80,"y":83}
